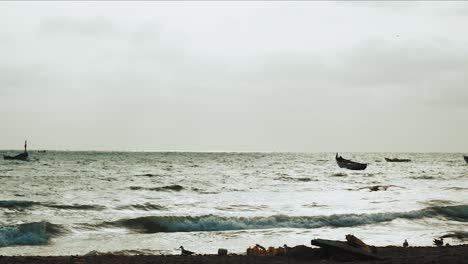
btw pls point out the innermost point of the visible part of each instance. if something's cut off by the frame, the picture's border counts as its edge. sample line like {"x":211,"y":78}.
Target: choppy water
{"x":62,"y":203}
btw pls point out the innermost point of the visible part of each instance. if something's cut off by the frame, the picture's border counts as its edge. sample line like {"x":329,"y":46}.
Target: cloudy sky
{"x":234,"y":76}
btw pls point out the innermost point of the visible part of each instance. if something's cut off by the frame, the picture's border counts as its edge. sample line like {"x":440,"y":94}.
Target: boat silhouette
{"x":22,"y":156}
{"x":349,"y":164}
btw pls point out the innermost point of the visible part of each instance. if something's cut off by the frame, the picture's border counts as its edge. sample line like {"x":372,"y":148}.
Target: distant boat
{"x":466,"y":158}
{"x":21,"y":156}
{"x":397,"y":160}
{"x":348,"y":164}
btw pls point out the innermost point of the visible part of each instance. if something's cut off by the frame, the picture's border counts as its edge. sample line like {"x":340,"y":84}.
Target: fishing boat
{"x":348,"y":164}
{"x":397,"y":160}
{"x":466,"y":158}
{"x":21,"y":156}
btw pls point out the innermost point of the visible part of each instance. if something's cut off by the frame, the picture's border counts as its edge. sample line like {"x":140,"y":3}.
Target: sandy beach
{"x":391,"y":255}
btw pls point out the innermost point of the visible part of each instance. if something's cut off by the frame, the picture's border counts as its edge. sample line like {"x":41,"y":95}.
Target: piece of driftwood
{"x":343,"y":250}
{"x":357,"y":243}
{"x":302,"y":252}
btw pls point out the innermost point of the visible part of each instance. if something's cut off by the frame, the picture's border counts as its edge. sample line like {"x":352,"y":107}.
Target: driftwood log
{"x":346,"y":251}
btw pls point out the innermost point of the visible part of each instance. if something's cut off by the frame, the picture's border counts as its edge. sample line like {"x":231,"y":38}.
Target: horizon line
{"x":228,"y":151}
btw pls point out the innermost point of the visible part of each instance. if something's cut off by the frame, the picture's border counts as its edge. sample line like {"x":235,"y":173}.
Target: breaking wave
{"x":155,"y":224}
{"x":300,"y":179}
{"x":148,"y":175}
{"x":339,"y":174}
{"x":168,"y":188}
{"x":460,"y":235}
{"x":36,"y":233}
{"x":128,"y":252}
{"x":76,"y":206}
{"x":23,"y":204}
{"x":423,"y":177}
{"x":144,"y":207}
{"x":242,"y":207}
{"x":174,"y":187}
{"x":16,"y":204}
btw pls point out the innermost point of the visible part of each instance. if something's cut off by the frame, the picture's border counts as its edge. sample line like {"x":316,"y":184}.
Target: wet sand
{"x":393,"y":255}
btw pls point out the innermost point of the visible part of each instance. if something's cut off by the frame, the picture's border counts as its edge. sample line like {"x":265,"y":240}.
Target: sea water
{"x":63,"y":203}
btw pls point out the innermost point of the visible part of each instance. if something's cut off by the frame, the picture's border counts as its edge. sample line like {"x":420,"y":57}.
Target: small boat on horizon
{"x":397,"y":160}
{"x":349,"y":164}
{"x":22,"y":156}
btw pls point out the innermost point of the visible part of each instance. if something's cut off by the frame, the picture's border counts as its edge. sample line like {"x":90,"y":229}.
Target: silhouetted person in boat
{"x":25,"y":154}
{"x":21,"y":156}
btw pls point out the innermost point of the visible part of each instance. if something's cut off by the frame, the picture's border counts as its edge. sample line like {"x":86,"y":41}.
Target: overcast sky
{"x":234,"y":76}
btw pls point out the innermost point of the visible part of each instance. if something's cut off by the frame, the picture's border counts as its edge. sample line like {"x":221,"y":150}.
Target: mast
{"x":25,"y":145}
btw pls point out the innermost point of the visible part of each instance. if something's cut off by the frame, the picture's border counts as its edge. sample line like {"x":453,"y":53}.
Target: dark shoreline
{"x":391,"y":254}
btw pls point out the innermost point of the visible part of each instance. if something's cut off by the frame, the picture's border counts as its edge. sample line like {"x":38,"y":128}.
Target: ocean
{"x":68,"y":203}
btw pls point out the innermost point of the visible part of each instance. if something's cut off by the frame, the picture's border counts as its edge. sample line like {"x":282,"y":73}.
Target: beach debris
{"x":352,"y":249}
{"x":256,"y":250}
{"x":259,"y":250}
{"x":302,"y":252}
{"x":222,"y":252}
{"x":93,"y":253}
{"x":438,"y":242}
{"x":286,"y":249}
{"x":405,"y":244}
{"x":378,"y":187}
{"x":185,"y":252}
{"x":272,"y":251}
{"x":357,"y":243}
{"x":261,"y":247}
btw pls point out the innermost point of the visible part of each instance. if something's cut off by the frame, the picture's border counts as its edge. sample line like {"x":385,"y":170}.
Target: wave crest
{"x":145,"y":207}
{"x":35,"y":233}
{"x":76,"y":206}
{"x":23,"y":204}
{"x":460,"y":235}
{"x":174,"y":187}
{"x":16,"y":204}
{"x":294,"y":179}
{"x":155,"y":224}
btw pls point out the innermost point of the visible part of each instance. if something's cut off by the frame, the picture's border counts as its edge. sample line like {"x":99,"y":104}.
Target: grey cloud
{"x":281,"y":85}
{"x":419,"y":70}
{"x":422,"y":71}
{"x":84,"y":27}
{"x":396,"y":63}
{"x":6,"y":38}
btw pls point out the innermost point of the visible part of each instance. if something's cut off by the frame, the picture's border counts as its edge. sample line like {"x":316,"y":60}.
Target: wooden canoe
{"x":348,"y":164}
